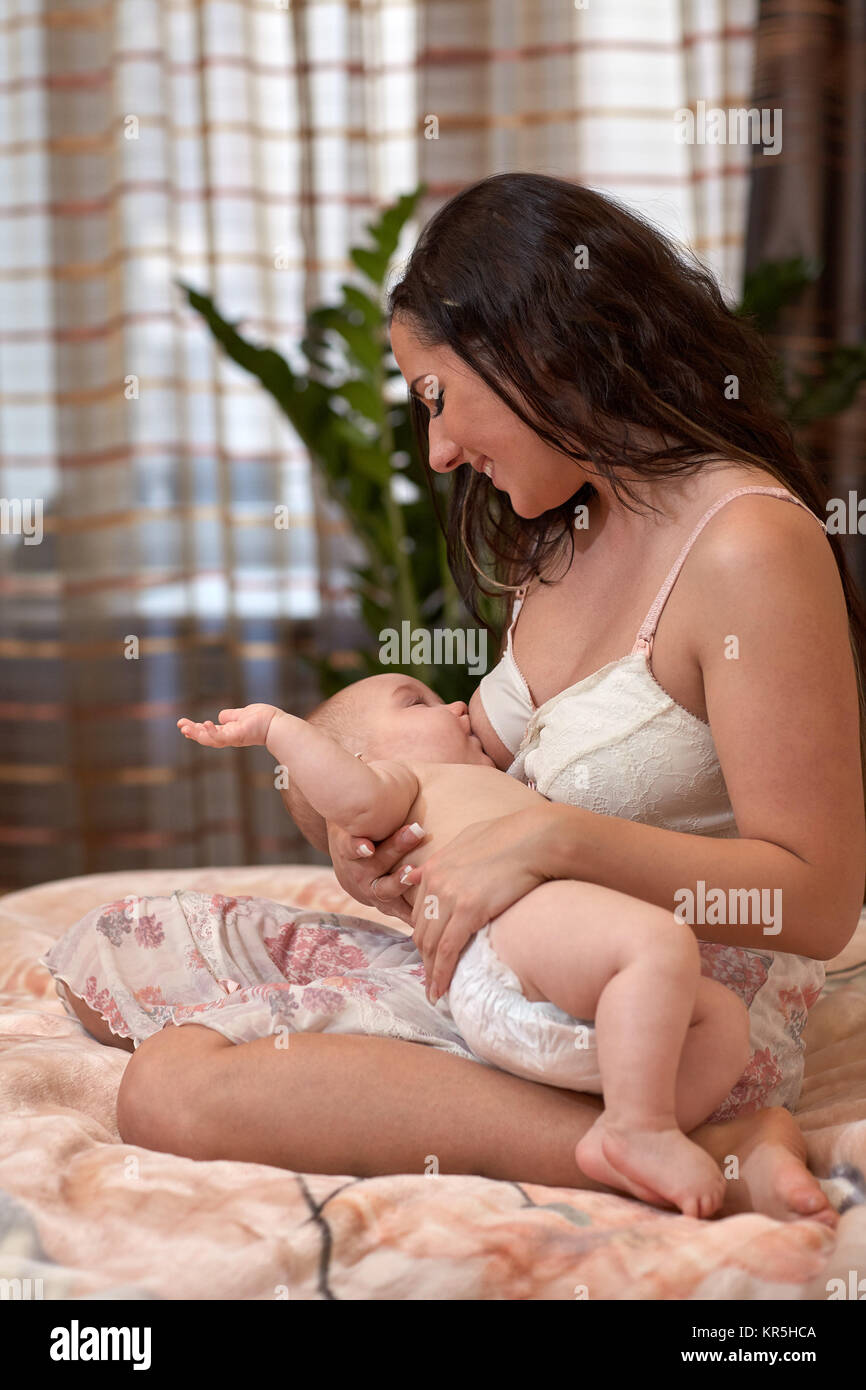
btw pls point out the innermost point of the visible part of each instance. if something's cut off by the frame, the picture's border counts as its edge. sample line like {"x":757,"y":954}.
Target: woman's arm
{"x":799,"y":911}
{"x":769,"y":615}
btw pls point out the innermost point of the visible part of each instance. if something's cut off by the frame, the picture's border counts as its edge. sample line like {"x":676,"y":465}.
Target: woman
{"x":614,"y":414}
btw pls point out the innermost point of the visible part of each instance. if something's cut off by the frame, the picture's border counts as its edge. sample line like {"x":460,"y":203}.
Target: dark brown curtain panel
{"x":810,"y":201}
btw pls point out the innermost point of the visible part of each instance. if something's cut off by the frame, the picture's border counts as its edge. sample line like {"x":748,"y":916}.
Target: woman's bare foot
{"x":657,"y":1165}
{"x":770,"y":1154}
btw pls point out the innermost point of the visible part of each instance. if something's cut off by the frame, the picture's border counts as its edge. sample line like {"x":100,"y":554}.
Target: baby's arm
{"x":370,"y":799}
{"x":367,"y":799}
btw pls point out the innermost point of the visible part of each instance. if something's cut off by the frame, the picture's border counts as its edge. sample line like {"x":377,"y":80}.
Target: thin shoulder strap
{"x":517,"y":604}
{"x":650,"y":622}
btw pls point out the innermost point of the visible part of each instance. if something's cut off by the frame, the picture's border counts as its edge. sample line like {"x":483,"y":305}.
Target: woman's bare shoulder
{"x":755,"y":527}
{"x":764,"y":551}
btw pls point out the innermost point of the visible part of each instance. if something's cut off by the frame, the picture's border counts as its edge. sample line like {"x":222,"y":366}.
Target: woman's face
{"x":470,"y":424}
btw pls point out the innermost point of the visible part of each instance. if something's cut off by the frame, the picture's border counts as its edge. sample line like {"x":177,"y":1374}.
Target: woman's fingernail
{"x":414,"y":832}
{"x":405,"y":872}
{"x":365,"y":850}
{"x":434,"y":994}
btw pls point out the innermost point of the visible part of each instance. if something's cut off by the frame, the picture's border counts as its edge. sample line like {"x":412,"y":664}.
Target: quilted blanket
{"x":89,"y":1216}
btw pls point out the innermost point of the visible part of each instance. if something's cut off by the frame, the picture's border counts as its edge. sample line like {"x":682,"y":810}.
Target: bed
{"x":92,"y":1217}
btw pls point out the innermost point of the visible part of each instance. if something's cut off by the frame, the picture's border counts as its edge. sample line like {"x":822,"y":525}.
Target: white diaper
{"x":537,"y":1041}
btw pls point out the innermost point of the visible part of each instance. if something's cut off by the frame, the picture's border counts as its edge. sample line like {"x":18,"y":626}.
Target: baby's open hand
{"x":238,"y":728}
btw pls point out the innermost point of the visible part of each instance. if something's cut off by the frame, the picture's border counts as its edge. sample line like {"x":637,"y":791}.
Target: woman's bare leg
{"x":343,"y":1103}
{"x":769,"y":1148}
{"x":96,"y":1024}
{"x":333,"y":1103}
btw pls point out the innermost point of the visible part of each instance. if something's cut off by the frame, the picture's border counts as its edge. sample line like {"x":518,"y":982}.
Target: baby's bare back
{"x":455,"y":795}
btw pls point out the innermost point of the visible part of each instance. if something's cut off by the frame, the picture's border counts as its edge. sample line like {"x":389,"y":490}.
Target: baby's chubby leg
{"x":572,"y":943}
{"x":670,"y":1044}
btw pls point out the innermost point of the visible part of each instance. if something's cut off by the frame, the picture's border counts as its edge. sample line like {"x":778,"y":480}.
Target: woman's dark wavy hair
{"x":642,"y":332}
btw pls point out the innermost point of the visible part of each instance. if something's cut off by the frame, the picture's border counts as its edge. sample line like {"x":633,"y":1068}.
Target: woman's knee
{"x":165,"y":1087}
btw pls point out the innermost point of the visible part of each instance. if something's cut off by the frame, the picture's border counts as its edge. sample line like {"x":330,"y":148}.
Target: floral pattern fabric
{"x":248,"y":967}
{"x":778,"y":989}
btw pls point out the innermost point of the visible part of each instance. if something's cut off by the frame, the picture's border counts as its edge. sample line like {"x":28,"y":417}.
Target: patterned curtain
{"x":591,"y":91}
{"x":241,"y":147}
{"x":811,"y":63}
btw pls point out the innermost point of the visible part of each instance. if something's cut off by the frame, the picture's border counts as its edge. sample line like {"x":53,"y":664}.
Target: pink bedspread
{"x":89,"y":1215}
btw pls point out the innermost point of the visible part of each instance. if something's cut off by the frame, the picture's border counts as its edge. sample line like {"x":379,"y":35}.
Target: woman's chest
{"x":570,"y":629}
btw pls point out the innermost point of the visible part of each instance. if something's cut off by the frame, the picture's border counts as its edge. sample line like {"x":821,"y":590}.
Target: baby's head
{"x":391,"y":716}
{"x":397,"y":716}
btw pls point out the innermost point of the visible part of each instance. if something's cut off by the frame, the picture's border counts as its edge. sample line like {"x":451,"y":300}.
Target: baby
{"x":670,"y":1044}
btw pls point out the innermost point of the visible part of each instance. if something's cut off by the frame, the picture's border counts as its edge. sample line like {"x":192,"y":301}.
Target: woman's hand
{"x":485,"y":869}
{"x":367,"y":876}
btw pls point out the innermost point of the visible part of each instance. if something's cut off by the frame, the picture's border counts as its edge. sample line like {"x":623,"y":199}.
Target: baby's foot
{"x":593,"y":1161}
{"x":660,"y":1166}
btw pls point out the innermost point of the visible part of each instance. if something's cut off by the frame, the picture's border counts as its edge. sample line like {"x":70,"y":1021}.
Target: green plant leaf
{"x":344,"y":430}
{"x":363,"y":304}
{"x":365,"y":350}
{"x":834,"y":390}
{"x":362,"y":397}
{"x":373,"y":264}
{"x":371,"y":464}
{"x":386,"y":231}
{"x":773,"y":284}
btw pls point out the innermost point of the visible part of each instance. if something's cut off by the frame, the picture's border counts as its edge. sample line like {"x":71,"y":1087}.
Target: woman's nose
{"x":443,"y":454}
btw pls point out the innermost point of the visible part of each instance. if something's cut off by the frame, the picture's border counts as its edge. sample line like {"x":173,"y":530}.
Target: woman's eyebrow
{"x":425,"y":376}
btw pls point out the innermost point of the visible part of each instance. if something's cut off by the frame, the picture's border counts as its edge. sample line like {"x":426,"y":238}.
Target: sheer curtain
{"x":241,"y":147}
{"x":590,"y":91}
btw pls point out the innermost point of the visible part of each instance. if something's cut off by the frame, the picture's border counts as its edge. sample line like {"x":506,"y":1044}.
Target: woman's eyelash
{"x":438,"y":401}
